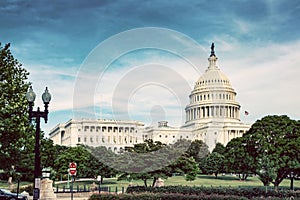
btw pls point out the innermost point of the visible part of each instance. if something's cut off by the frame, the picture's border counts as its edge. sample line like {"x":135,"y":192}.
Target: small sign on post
{"x":72,"y":168}
{"x":72,"y":171}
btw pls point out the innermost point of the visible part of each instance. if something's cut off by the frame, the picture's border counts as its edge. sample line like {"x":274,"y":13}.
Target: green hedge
{"x":242,"y":192}
{"x":164,"y":196}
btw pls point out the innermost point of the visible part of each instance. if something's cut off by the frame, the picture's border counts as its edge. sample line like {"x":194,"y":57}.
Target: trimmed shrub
{"x":225,"y":191}
{"x":165,"y":196}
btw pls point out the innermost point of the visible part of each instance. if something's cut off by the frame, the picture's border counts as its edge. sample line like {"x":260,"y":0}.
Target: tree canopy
{"x":160,"y":160}
{"x":277,"y":139}
{"x":16,"y":135}
{"x":238,"y":159}
{"x":87,"y":164}
{"x":214,"y":163}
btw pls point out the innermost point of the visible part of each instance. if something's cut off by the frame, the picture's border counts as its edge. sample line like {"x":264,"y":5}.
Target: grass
{"x":5,"y":185}
{"x":202,"y":180}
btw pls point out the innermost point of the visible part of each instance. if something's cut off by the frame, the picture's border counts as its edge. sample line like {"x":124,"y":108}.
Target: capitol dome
{"x":213,"y":97}
{"x":213,"y":77}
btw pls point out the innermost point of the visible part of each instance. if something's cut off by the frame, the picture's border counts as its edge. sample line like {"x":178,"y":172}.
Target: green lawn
{"x":202,"y":180}
{"x":3,"y":184}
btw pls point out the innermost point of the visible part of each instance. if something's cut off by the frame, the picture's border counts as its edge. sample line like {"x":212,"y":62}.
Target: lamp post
{"x":292,"y":181}
{"x":30,"y":96}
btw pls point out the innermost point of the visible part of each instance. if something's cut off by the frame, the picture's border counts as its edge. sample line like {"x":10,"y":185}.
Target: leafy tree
{"x":16,"y":136}
{"x":76,"y":154}
{"x":214,"y":163}
{"x":198,"y":150}
{"x":87,"y":164}
{"x":277,"y":139}
{"x":237,"y":158}
{"x":49,"y":152}
{"x":147,"y":146}
{"x":267,"y":172}
{"x":186,"y":165}
{"x":97,"y":168}
{"x":219,"y":148}
{"x":150,"y":161}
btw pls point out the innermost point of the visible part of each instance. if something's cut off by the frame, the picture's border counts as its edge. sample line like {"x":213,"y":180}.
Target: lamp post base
{"x":47,"y":192}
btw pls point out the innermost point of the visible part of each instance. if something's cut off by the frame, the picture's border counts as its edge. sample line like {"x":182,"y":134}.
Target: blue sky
{"x":257,"y":43}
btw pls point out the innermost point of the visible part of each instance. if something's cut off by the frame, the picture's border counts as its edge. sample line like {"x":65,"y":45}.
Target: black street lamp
{"x":30,"y":96}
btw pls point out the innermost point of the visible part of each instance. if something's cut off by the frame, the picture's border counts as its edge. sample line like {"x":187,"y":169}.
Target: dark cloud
{"x":73,"y":28}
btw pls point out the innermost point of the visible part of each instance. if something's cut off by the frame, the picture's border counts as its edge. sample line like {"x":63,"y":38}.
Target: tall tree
{"x":199,"y":151}
{"x":274,"y":139}
{"x":214,"y":163}
{"x":237,"y":158}
{"x":219,"y":148}
{"x":49,"y":152}
{"x":16,"y":136}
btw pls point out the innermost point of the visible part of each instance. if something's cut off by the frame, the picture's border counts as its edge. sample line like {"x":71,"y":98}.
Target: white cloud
{"x":60,"y":83}
{"x":266,"y":79}
{"x":135,"y":90}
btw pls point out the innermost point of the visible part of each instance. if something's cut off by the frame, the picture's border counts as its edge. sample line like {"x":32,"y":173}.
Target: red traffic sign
{"x":72,"y":168}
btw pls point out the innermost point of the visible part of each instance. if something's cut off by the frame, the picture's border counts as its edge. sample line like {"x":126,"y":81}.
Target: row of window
{"x":213,"y":81}
{"x":109,"y":129}
{"x":127,"y":140}
{"x":197,"y":98}
{"x":166,"y":136}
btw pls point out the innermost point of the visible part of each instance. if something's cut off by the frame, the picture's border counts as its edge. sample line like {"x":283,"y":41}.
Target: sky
{"x":139,"y":60}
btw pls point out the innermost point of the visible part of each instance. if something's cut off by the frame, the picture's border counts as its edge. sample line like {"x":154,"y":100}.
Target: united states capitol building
{"x":212,"y":115}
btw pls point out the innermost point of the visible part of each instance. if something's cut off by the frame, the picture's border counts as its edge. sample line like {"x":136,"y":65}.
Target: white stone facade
{"x":113,"y":134}
{"x":213,"y":115}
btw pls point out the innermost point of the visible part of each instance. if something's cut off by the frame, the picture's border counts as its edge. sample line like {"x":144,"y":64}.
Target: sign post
{"x":37,"y":186}
{"x":99,"y":181}
{"x":68,"y":184}
{"x":72,"y":171}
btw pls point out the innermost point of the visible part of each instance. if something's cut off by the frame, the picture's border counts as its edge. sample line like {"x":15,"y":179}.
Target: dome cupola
{"x":213,"y":96}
